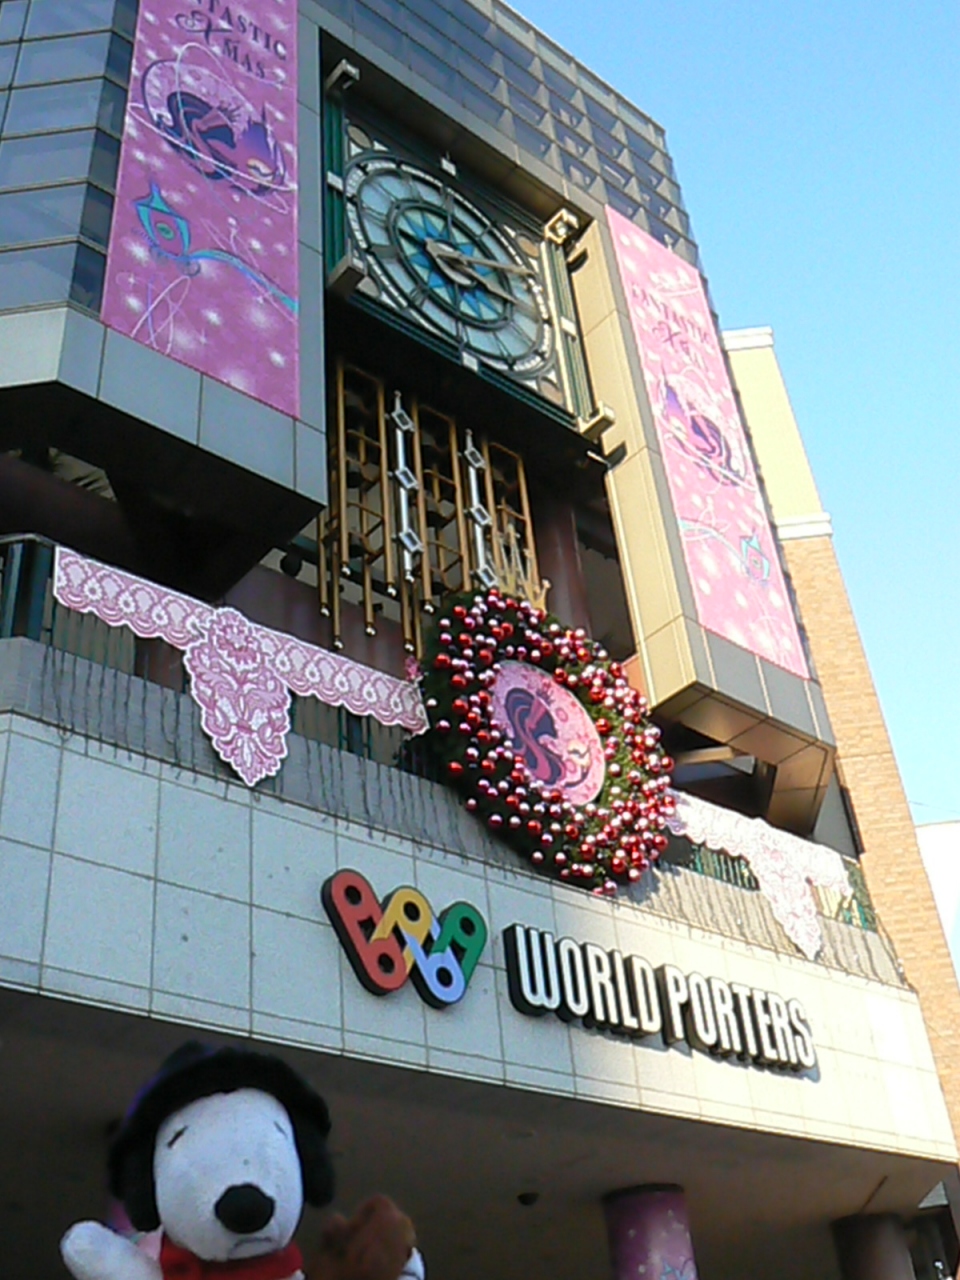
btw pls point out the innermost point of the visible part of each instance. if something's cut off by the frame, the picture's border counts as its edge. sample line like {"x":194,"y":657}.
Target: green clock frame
{"x":451,"y":264}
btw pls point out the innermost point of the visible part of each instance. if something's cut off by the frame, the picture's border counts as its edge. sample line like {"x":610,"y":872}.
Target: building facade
{"x":939,"y":842}
{"x":327,"y":330}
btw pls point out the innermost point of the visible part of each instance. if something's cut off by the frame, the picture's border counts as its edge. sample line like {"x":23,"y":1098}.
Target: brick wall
{"x":894,"y":871}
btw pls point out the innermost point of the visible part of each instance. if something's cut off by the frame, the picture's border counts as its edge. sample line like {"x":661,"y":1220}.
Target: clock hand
{"x":460,"y":268}
{"x":440,"y":251}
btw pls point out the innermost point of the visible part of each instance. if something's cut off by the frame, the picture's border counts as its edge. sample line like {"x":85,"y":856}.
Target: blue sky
{"x":817,"y":143}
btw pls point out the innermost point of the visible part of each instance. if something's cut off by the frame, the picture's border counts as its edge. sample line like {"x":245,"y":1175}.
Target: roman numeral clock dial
{"x":435,"y":257}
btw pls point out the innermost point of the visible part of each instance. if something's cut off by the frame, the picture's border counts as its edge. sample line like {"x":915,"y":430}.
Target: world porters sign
{"x":401,"y":937}
{"x":584,"y":982}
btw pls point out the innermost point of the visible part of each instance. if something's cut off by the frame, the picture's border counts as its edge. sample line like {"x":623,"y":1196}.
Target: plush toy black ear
{"x":134,"y":1186}
{"x":315,"y":1164}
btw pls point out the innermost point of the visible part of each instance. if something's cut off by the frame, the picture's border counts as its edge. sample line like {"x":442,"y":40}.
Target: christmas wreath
{"x":547,"y":739}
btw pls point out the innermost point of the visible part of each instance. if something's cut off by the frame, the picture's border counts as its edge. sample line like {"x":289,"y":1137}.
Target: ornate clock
{"x":447,"y":266}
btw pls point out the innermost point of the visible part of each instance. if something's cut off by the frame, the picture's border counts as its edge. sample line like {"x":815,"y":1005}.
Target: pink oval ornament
{"x":551,"y":729}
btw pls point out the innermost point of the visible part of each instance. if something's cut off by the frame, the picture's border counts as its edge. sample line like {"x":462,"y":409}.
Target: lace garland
{"x":785,"y":865}
{"x":241,"y":674}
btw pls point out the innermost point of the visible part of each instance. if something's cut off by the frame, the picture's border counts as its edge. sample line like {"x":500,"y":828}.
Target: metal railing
{"x":28,"y":609}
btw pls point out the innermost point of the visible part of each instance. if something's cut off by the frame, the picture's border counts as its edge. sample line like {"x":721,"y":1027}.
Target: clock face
{"x":443,"y":263}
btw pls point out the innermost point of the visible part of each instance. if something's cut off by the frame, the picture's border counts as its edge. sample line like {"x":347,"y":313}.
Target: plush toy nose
{"x":244,"y":1209}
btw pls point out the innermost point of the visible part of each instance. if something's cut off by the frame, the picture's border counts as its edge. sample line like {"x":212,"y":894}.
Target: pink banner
{"x":203,"y":260}
{"x":728,"y":545}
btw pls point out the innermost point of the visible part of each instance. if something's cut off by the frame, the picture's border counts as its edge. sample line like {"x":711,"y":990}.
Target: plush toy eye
{"x":176,"y":1137}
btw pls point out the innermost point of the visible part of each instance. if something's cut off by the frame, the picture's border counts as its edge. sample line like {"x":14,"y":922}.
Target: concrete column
{"x":649,"y":1233}
{"x":873,"y":1246}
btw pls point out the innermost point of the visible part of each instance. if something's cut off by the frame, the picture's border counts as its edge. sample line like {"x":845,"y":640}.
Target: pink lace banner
{"x":785,"y":865}
{"x":241,"y":675}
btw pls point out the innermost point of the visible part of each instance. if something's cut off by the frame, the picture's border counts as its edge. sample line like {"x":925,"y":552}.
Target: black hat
{"x":196,"y":1071}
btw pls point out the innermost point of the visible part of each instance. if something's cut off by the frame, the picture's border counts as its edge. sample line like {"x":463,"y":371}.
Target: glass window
{"x":531,"y":140}
{"x":514,"y":50}
{"x":528,"y":110}
{"x":578,"y":174}
{"x":3,"y":108}
{"x":12,"y":14}
{"x":482,"y":106}
{"x":663,"y":233}
{"x":647,"y":174}
{"x":54,"y":18}
{"x":623,"y":204}
{"x":472,"y":17}
{"x":113,"y":102}
{"x":87,"y":287}
{"x":36,"y":275}
{"x":571,"y":141}
{"x":119,"y":59}
{"x":53,"y":157}
{"x":43,"y":61}
{"x":430,"y":12}
{"x":54,"y":106}
{"x":640,"y":146}
{"x":106,"y":157}
{"x":125,"y":17}
{"x":480,"y":73}
{"x":563,"y":110}
{"x":436,"y":70}
{"x":383,"y":33}
{"x":8,"y":60}
{"x":614,"y":173}
{"x":558,"y":83}
{"x":607,"y":143}
{"x":522,"y":79}
{"x":599,"y":114}
{"x":97,"y":213}
{"x":31,"y":217}
{"x":427,"y":36}
{"x":475,"y":45}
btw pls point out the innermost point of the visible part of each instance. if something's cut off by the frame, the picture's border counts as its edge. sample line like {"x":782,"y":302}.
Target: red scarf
{"x":181,"y":1264}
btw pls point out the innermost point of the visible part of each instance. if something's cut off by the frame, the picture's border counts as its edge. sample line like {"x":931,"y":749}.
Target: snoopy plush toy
{"x":221,"y":1150}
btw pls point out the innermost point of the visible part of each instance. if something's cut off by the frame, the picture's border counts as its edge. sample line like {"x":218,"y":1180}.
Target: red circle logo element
{"x":551,"y":729}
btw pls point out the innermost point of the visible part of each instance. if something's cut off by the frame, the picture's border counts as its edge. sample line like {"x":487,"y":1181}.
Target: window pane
{"x":52,"y":158}
{"x":119,"y":59}
{"x":54,"y":18}
{"x":431,"y":12}
{"x":55,"y":106}
{"x":529,"y":110}
{"x":436,"y":70}
{"x":112,"y":105}
{"x":87,"y":288}
{"x":30,"y":217}
{"x":532,"y":140}
{"x":125,"y":17}
{"x":42,"y":61}
{"x":36,"y":275}
{"x":97,"y":213}
{"x":599,"y":113}
{"x":480,"y":73}
{"x":514,"y":49}
{"x":522,"y":79}
{"x":106,"y":157}
{"x":12,"y":14}
{"x":383,"y":33}
{"x":8,"y":60}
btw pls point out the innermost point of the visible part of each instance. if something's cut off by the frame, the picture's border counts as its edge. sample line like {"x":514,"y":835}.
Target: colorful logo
{"x":401,"y":937}
{"x":551,"y":729}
